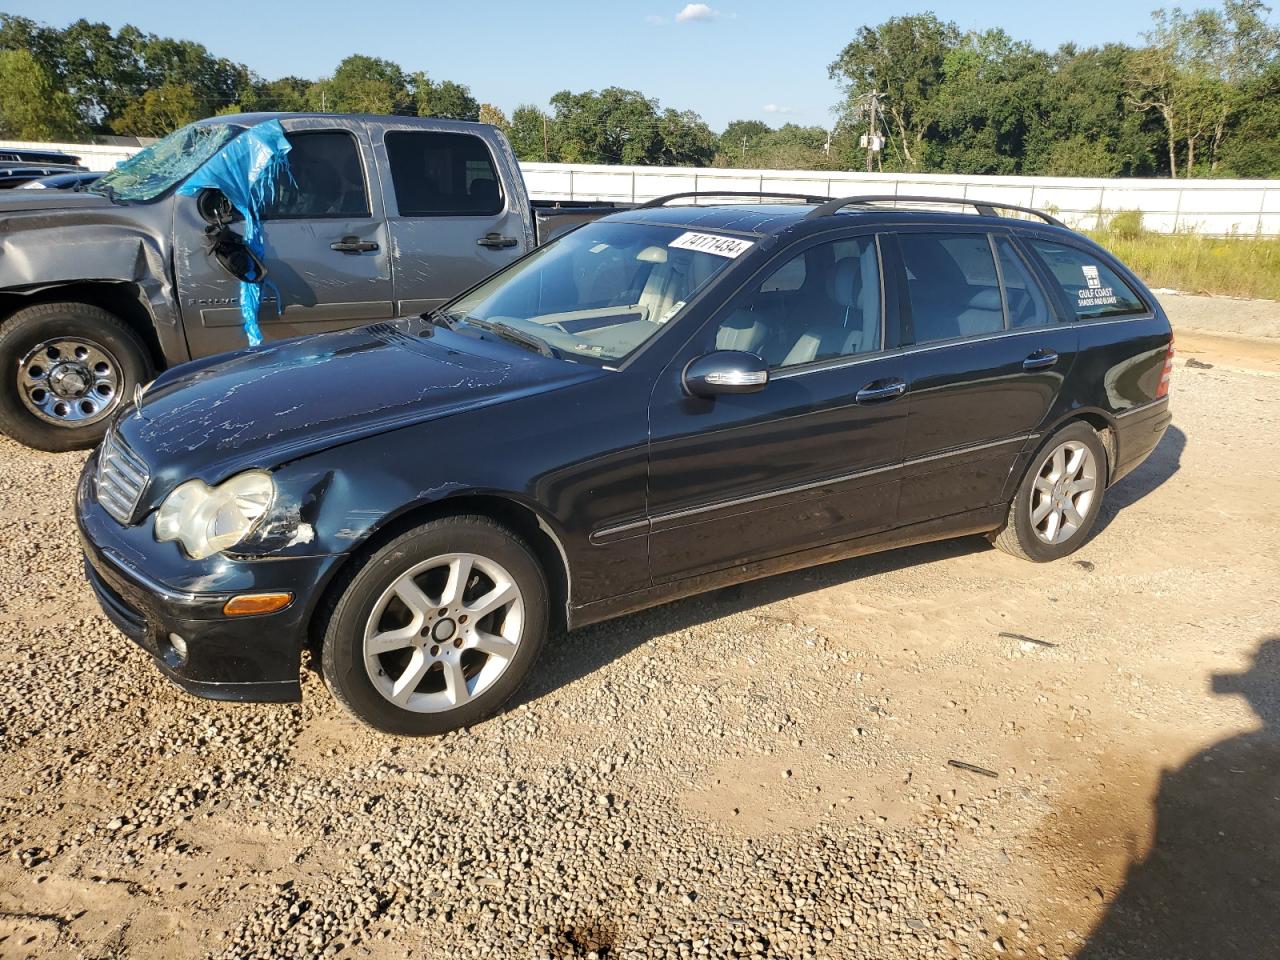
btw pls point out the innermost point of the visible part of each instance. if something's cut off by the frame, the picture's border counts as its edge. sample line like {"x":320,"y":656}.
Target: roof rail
{"x":662,"y":201}
{"x":986,"y":208}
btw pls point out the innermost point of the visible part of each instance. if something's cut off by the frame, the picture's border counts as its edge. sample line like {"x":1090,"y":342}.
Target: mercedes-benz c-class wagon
{"x":668,"y":400}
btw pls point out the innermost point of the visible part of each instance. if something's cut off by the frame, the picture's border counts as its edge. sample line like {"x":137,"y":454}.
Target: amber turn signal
{"x":250,"y":603}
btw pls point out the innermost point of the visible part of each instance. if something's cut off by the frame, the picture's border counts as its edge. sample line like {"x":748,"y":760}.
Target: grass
{"x":1226,"y":266}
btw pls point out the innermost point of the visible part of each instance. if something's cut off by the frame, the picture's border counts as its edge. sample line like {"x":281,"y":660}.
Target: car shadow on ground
{"x":1164,"y":462}
{"x":580,"y":653}
{"x":1210,"y":884}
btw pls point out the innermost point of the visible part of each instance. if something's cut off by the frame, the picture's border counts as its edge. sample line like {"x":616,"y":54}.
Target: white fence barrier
{"x":1215,"y":207}
{"x":1218,"y":207}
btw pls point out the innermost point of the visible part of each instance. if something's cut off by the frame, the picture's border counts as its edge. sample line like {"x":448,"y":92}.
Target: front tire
{"x":1059,"y":499}
{"x":67,"y":368}
{"x":437,"y":629}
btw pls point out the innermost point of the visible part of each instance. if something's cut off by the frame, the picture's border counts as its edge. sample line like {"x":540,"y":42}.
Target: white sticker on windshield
{"x":730,"y":247}
{"x":1091,"y":275}
{"x":1094,"y":294}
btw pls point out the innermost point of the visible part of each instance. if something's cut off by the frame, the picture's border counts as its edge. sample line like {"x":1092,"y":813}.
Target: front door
{"x":452,"y":219}
{"x":327,"y":250}
{"x":813,"y":457}
{"x":990,"y":353}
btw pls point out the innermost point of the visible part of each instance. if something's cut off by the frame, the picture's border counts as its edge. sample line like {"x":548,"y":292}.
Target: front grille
{"x":122,"y":478}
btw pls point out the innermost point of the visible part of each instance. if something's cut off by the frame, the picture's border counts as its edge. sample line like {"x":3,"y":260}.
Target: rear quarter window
{"x":1091,"y":287}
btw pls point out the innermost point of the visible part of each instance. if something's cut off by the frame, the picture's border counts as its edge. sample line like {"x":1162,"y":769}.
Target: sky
{"x":726,"y":60}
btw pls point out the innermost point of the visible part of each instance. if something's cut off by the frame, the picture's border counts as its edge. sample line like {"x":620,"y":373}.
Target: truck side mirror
{"x":233,"y":255}
{"x":214,"y":207}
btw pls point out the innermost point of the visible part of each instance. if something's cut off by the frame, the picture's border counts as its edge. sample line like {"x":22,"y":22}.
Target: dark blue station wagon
{"x":662,"y":402}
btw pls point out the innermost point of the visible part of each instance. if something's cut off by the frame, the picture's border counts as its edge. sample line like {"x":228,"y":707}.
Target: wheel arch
{"x":121,"y":298}
{"x":1104,"y":425}
{"x":522,"y":519}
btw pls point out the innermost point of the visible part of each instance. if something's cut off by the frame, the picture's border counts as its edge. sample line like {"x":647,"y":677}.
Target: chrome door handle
{"x":495,"y":241}
{"x":1040,"y":360}
{"x":353,"y":245}
{"x":880,"y":390}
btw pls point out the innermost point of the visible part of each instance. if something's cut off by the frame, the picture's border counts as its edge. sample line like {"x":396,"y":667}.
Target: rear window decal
{"x":730,"y":247}
{"x":1094,"y":294}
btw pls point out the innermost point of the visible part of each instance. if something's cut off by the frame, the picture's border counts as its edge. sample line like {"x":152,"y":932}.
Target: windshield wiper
{"x":515,"y":335}
{"x":440,"y":319}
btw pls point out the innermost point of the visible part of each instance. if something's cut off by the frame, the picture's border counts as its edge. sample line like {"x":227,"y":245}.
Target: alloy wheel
{"x":1065,"y":486}
{"x":443,"y":632}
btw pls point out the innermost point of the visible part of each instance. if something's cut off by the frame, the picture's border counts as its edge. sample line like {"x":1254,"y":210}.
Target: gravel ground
{"x":761,"y":772}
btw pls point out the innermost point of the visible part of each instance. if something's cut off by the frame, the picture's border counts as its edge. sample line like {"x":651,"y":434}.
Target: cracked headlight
{"x":207,"y":520}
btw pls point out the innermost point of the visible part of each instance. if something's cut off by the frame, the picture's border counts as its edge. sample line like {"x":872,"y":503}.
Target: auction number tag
{"x":730,"y":247}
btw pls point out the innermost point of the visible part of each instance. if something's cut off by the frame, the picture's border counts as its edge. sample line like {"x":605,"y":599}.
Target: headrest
{"x":986,"y":299}
{"x":846,"y":282}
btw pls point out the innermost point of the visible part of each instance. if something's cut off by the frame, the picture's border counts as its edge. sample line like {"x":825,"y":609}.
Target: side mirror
{"x":726,"y":371}
{"x":230,"y":251}
{"x":214,"y":207}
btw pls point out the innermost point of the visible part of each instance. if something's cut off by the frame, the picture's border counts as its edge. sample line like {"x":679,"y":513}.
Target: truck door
{"x":453,"y":216}
{"x":327,"y":250}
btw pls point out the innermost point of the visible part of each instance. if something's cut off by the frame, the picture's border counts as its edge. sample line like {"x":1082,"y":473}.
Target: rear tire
{"x":437,"y":629}
{"x":1058,"y":501}
{"x":67,"y":368}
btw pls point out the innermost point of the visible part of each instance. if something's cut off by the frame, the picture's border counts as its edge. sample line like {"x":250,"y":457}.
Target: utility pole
{"x":873,"y":129}
{"x":546,"y":150}
{"x":744,"y":149}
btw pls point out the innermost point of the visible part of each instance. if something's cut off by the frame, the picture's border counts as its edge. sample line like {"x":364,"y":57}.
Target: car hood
{"x":266,"y":405}
{"x":49,"y":201}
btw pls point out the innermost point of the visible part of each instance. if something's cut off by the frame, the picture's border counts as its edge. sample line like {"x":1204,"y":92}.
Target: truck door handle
{"x":877,"y":391}
{"x":353,"y":245}
{"x":1040,"y":360}
{"x":496,"y":241}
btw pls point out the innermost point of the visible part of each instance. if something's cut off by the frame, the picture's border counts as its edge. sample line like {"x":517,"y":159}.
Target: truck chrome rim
{"x":443,"y":632}
{"x":1065,"y":486}
{"x":70,"y":381}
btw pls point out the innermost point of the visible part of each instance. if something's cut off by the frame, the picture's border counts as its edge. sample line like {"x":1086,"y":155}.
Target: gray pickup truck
{"x":382,"y":217}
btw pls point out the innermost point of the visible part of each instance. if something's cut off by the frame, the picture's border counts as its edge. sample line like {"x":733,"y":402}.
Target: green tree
{"x":987,"y":111}
{"x":287,"y":94}
{"x":160,"y":111}
{"x":32,"y":105}
{"x":741,"y":137}
{"x":1252,"y":148}
{"x":363,"y":84}
{"x":532,"y":134}
{"x":901,"y":60}
{"x":444,"y":99}
{"x":493,"y":116}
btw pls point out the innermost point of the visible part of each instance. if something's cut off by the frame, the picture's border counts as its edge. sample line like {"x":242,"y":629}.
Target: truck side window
{"x":327,"y":178}
{"x":442,"y":175}
{"x":1090,"y":286}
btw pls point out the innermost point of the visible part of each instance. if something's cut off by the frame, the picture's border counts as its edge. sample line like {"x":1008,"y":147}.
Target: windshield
{"x":166,"y":163}
{"x":599,"y":292}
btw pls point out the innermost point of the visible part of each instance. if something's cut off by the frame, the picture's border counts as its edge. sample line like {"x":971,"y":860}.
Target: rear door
{"x":990,"y":350}
{"x":453,"y":220}
{"x":810,"y":459}
{"x":327,"y":250}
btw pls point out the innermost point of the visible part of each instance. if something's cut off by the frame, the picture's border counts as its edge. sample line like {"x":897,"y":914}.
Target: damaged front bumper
{"x":175,"y":614}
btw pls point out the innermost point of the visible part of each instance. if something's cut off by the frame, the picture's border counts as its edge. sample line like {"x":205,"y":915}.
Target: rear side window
{"x":952,"y":285}
{"x":442,"y":174}
{"x":1023,"y":296}
{"x":1091,"y":287}
{"x":327,"y":179}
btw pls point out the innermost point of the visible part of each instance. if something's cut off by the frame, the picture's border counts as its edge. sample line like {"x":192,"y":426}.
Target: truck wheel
{"x":70,"y":367}
{"x":437,"y":629}
{"x":1059,"y":498}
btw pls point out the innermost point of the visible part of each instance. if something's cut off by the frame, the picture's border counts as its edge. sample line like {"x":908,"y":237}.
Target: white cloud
{"x":774,"y":108}
{"x":697,"y":11}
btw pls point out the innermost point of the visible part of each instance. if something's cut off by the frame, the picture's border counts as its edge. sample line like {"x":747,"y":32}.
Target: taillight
{"x":1163,"y":389}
